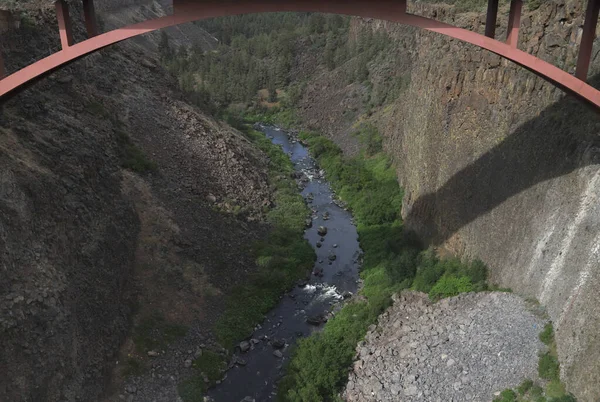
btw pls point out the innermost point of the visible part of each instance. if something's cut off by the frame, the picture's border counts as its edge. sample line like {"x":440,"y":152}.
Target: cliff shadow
{"x":561,"y":139}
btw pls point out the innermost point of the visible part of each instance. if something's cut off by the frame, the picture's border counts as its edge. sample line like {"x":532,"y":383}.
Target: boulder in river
{"x":332,"y":257}
{"x":278,"y":343}
{"x":326,"y":216}
{"x":316,"y":320}
{"x":244,"y":346}
{"x":278,"y":354}
{"x":319,"y":244}
{"x":322,"y":231}
{"x":308,"y":223}
{"x":318,"y":271}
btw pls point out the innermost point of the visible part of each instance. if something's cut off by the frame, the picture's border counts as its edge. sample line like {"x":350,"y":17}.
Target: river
{"x":337,"y":263}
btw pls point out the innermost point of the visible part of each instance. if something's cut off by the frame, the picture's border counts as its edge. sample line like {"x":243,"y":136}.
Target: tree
{"x":272,"y":88}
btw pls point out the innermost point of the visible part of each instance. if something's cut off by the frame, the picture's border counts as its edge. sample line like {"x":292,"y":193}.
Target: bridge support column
{"x":64,"y":24}
{"x":514,"y":23}
{"x":89,"y":14}
{"x":490,"y":21}
{"x":587,"y":39}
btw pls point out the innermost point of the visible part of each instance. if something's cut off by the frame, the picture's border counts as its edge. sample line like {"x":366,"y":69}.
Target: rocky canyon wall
{"x":496,"y":163}
{"x":87,"y":246}
{"x":499,"y":164}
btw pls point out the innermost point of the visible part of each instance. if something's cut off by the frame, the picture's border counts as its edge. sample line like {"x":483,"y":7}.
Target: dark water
{"x":287,"y":322}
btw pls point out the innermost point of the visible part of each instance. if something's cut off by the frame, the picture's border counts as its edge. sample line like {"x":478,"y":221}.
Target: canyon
{"x":495,"y":164}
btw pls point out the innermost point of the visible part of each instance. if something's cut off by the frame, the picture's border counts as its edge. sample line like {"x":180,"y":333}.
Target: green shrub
{"x":508,"y":395}
{"x":211,"y":364}
{"x":370,"y":138}
{"x":548,"y":367}
{"x":533,"y":5}
{"x":449,"y":286}
{"x":525,"y":387}
{"x":192,"y":389}
{"x":547,"y":335}
{"x":536,"y":391}
{"x":449,"y":277}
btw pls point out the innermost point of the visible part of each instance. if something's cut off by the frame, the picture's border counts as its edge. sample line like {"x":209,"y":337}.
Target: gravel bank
{"x":460,"y":349}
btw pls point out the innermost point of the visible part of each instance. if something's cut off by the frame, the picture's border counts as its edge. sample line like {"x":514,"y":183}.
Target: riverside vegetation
{"x":282,"y":259}
{"x":393,"y":261}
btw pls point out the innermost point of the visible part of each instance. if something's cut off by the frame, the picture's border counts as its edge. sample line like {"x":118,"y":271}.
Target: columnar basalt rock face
{"x":496,"y":163}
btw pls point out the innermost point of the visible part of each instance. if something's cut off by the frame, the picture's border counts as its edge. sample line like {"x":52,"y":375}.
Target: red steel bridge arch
{"x":391,"y":10}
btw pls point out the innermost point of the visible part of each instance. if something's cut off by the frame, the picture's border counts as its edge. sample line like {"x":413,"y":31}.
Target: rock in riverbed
{"x":244,"y":346}
{"x":316,"y":320}
{"x":322,"y":231}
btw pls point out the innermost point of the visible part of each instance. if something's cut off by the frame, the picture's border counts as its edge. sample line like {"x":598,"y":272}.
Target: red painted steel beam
{"x":64,"y":24}
{"x":382,"y":9}
{"x":89,"y":15}
{"x":491,"y":18}
{"x":514,"y":23}
{"x":587,"y":39}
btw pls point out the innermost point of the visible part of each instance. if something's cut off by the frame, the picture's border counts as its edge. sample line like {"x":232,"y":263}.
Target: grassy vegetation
{"x":284,"y":117}
{"x":393,"y":261}
{"x":548,"y":369}
{"x":282,"y":259}
{"x":450,"y":277}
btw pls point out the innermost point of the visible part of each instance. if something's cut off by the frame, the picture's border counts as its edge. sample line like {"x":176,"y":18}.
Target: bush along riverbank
{"x":393,"y":260}
{"x":282,"y":259}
